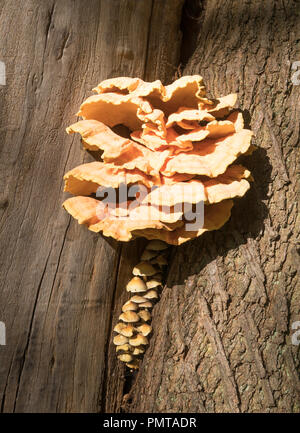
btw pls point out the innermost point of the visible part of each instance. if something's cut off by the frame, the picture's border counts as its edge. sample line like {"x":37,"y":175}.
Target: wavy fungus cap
{"x":177,"y":149}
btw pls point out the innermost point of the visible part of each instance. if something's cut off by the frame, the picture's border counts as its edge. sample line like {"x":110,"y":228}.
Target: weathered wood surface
{"x":223,"y":325}
{"x":57,"y":279}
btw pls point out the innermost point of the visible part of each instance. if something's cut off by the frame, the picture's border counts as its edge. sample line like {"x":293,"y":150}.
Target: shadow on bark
{"x":247,"y":221}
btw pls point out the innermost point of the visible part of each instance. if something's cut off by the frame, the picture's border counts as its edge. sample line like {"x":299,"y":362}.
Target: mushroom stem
{"x":134,"y":321}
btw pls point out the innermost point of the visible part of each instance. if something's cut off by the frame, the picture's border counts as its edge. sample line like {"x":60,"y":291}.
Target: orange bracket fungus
{"x":165,"y":150}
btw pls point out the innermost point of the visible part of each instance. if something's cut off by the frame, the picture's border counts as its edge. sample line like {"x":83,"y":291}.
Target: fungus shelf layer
{"x":180,"y":149}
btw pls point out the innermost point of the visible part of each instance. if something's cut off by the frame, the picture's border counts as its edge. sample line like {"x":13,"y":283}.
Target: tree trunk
{"x":222,"y":339}
{"x":222,"y":329}
{"x":58,"y":281}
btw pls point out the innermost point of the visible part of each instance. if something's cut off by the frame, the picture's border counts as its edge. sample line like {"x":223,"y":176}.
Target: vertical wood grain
{"x":58,"y":280}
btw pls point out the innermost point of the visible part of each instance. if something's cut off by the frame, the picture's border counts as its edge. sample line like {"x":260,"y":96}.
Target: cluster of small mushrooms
{"x":172,"y":142}
{"x":133,"y":328}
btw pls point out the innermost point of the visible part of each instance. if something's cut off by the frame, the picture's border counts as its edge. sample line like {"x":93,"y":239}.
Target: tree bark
{"x":222,"y":329}
{"x":222,"y":339}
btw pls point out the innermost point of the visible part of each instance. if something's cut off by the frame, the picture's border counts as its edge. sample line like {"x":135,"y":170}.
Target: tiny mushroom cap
{"x":127,"y":331}
{"x":160,"y":260}
{"x":129,"y":306}
{"x":144,"y":269}
{"x":138,"y":350}
{"x":146,"y":304}
{"x":129,"y":317}
{"x":125,"y":357}
{"x":137,"y":299}
{"x":148,"y":255}
{"x":133,"y":365}
{"x":137,"y":340}
{"x":157,"y":245}
{"x":151,"y":284}
{"x":144,"y":329}
{"x":136,"y":284}
{"x":119,"y":326}
{"x":124,"y":348}
{"x":152,"y":294}
{"x":120,"y":340}
{"x":144,"y":315}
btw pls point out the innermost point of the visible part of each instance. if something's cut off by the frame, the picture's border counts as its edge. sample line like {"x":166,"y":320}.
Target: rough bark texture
{"x":223,"y":326}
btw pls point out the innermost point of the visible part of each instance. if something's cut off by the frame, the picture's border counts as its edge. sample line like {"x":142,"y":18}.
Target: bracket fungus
{"x":165,"y":149}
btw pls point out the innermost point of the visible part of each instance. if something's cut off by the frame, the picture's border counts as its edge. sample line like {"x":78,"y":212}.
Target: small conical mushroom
{"x":144,"y":269}
{"x":137,"y":299}
{"x":157,"y":245}
{"x":125,"y":357}
{"x":146,"y":304}
{"x":144,"y":329}
{"x":144,"y":315}
{"x":137,"y":340}
{"x":152,"y":294}
{"x":119,"y":326}
{"x":129,"y":306}
{"x":127,"y":331}
{"x":133,"y":365}
{"x":120,"y":339}
{"x":151,"y":284}
{"x":136,"y":284}
{"x":124,"y":348}
{"x":148,"y":255}
{"x":159,"y":260}
{"x":129,"y":317}
{"x":138,"y":350}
